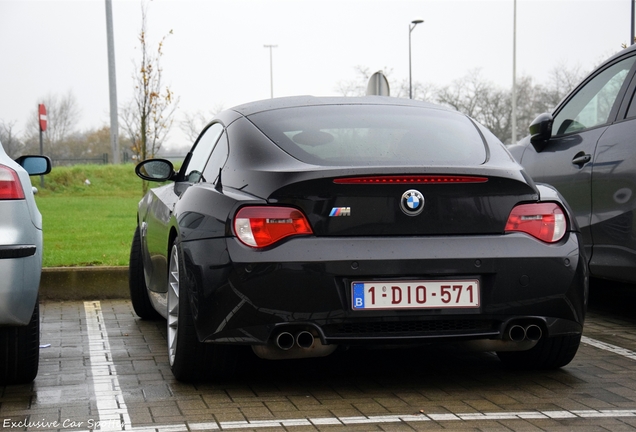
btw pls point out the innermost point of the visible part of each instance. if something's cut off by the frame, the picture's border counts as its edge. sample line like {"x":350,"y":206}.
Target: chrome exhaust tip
{"x":285,"y":341}
{"x":304,"y":339}
{"x":533,"y":332}
{"x":517,"y":333}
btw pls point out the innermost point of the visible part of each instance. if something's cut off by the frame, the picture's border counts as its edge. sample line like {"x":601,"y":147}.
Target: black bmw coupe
{"x":301,"y":225}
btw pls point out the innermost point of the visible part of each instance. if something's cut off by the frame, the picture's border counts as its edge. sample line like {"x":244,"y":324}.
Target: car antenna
{"x":218,"y":185}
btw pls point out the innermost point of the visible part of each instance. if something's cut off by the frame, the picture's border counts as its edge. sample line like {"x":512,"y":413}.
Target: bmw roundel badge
{"x":412,"y":202}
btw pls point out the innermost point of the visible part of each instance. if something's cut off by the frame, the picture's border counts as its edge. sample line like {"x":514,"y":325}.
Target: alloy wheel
{"x":173,"y":304}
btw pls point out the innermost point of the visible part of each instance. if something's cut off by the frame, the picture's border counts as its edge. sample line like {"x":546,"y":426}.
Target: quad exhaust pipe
{"x":300,"y":343}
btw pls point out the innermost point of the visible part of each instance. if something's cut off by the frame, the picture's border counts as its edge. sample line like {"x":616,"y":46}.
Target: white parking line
{"x":374,"y":420}
{"x":113,"y":413}
{"x":608,"y":347}
{"x":111,"y":408}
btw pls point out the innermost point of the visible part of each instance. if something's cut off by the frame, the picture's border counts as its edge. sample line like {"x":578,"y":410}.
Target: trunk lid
{"x":441,"y":205}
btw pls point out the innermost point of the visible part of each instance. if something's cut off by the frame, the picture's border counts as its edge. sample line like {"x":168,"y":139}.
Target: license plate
{"x":426,"y":294}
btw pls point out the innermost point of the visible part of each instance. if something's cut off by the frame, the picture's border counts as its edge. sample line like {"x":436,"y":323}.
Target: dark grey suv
{"x":587,"y":149}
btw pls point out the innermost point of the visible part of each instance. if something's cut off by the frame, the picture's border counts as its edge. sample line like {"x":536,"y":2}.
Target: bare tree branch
{"x":63,"y":115}
{"x":13,"y":146}
{"x":193,"y":123}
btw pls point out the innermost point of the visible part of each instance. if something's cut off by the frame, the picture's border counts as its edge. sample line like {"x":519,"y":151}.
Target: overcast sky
{"x":215,"y":56}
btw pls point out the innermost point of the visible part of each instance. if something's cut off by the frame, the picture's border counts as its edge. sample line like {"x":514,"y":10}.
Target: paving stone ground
{"x":100,"y":363}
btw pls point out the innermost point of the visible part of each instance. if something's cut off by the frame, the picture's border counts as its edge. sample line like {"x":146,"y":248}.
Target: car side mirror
{"x":541,"y":131}
{"x":35,"y":165}
{"x":158,"y":170}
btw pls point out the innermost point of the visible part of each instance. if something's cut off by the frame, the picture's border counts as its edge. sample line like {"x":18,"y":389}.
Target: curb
{"x":84,"y":283}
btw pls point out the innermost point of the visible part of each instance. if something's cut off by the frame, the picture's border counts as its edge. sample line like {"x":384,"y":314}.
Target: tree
{"x":496,"y":112}
{"x":467,"y":94}
{"x":530,"y":103}
{"x":13,"y":146}
{"x":489,"y":104}
{"x":562,"y":80}
{"x":96,"y":143}
{"x":62,"y":140}
{"x":358,"y":86}
{"x":63,"y":115}
{"x":193,"y":123}
{"x":148,"y":117}
{"x":423,"y":92}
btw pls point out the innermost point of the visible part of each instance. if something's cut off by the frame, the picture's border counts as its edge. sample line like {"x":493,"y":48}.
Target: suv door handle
{"x":581,"y":159}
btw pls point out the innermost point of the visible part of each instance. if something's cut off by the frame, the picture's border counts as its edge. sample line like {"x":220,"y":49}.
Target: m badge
{"x":340,"y":211}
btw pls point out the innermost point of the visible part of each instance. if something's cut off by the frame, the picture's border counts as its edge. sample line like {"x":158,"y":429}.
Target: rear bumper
{"x":19,"y":287}
{"x":241,"y":295}
{"x":20,"y":263}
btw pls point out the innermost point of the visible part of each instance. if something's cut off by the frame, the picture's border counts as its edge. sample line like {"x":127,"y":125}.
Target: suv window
{"x":201,"y":152}
{"x":591,"y":105}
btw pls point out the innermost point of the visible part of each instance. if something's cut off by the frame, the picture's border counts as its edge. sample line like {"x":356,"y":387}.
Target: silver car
{"x":20,"y":267}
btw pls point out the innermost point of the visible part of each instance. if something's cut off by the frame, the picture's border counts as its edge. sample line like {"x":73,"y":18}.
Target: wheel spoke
{"x":173,"y":304}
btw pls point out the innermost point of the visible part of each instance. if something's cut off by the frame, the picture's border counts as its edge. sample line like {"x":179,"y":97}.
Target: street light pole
{"x":271,"y":70}
{"x":411,"y":27}
{"x":112,"y":84}
{"x":633,"y":41}
{"x":513,"y":139}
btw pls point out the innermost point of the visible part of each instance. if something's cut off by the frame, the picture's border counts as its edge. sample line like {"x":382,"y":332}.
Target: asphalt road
{"x":101,"y":367}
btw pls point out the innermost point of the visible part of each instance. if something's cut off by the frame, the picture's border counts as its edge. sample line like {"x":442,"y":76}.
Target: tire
{"x":137,"y":282}
{"x":190,"y":360}
{"x":20,"y":351}
{"x":548,"y":353}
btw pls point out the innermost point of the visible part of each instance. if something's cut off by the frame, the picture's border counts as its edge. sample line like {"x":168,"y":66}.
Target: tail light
{"x":10,"y":187}
{"x":259,"y":227}
{"x":544,"y":221}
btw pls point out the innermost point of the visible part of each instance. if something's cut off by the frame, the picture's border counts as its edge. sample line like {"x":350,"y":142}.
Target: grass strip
{"x":89,"y":214}
{"x":85,"y":231}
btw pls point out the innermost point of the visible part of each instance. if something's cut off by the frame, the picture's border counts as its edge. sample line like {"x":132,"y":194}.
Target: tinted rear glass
{"x":373,"y":135}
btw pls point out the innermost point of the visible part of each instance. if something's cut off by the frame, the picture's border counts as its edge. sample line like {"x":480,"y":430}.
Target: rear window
{"x":373,"y":135}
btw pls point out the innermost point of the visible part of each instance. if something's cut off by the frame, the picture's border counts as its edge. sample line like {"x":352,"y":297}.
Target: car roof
{"x":303,"y":101}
